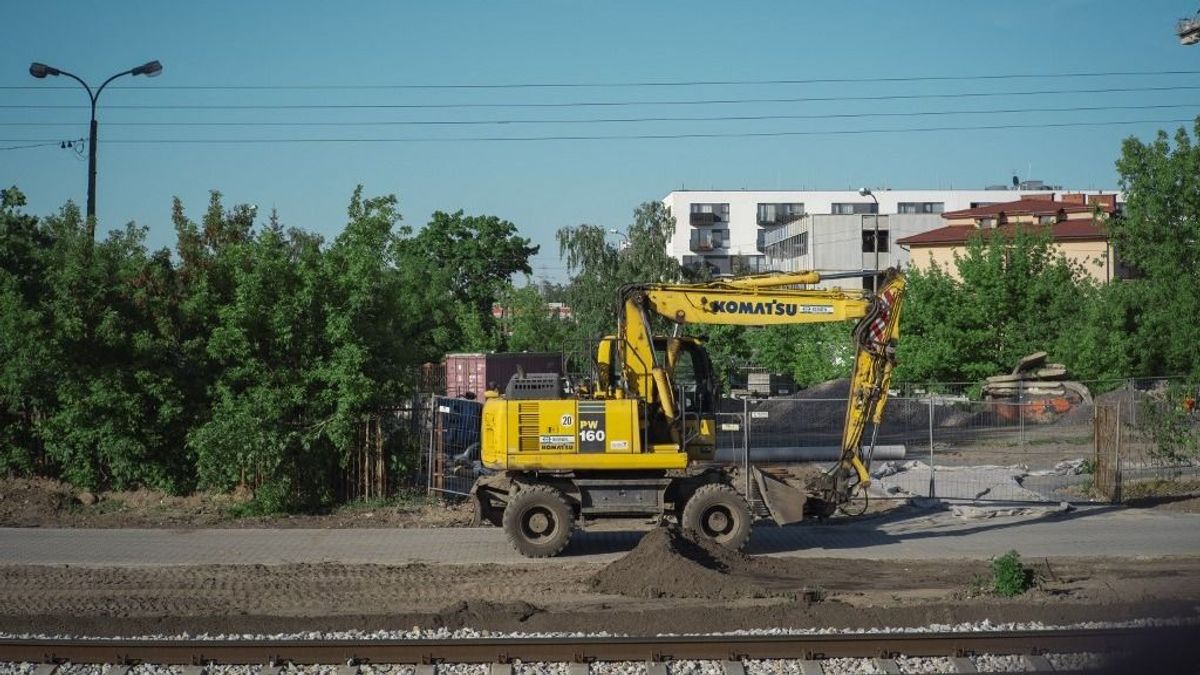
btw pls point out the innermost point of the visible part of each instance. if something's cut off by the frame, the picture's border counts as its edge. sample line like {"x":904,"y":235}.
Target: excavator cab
{"x":695,"y":391}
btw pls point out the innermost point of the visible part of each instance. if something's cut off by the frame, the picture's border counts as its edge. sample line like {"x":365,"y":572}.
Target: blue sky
{"x":543,"y":185}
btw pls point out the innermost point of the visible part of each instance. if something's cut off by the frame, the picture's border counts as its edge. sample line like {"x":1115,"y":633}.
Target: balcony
{"x":704,"y":241}
{"x":701,"y":219}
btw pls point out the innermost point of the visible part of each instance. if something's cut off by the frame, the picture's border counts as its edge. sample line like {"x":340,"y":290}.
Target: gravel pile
{"x":384,"y":669}
{"x":925,"y":664}
{"x":1000,"y":663}
{"x":541,"y":668}
{"x":695,"y":668}
{"x":1073,"y":662}
{"x":618,"y":668}
{"x":470,"y":633}
{"x":671,"y":562}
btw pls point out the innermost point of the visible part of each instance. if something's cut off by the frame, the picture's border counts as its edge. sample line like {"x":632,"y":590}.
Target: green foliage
{"x":1173,"y":429}
{"x":812,"y":353}
{"x":526,"y":323}
{"x":250,"y":357}
{"x":472,"y":259}
{"x":599,"y":268}
{"x":1158,"y":235}
{"x":1013,"y":295}
{"x":1010,"y":577}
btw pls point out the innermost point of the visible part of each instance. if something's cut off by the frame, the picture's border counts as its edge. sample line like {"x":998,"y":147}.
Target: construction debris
{"x":1039,"y":391}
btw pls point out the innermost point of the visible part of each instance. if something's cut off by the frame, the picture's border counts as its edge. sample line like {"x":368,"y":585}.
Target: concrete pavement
{"x":907,"y":535}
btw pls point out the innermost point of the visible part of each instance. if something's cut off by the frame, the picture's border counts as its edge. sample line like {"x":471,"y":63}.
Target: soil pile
{"x":473,"y":613}
{"x":672,"y":563}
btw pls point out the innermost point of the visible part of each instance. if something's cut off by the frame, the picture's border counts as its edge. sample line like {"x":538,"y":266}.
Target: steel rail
{"x":587,"y":649}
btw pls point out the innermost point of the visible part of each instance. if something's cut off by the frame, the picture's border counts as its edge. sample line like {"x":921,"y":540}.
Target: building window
{"x":976,"y":205}
{"x":853,"y":208}
{"x":1047,"y":220}
{"x":921,"y":207}
{"x":708,"y":240}
{"x":709,"y":214}
{"x":779,"y":214}
{"x":987,"y":223}
{"x":869,"y":241}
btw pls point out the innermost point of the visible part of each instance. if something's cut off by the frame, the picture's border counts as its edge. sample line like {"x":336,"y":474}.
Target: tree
{"x":475,"y":257}
{"x":528,"y":324}
{"x":1013,"y":295}
{"x":1158,"y":235}
{"x":598,"y":269}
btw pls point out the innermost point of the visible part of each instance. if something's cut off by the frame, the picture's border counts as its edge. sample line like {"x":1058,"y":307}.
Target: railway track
{"x":732,"y":650}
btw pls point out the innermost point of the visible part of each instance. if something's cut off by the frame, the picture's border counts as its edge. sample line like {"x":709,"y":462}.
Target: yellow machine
{"x":639,"y":441}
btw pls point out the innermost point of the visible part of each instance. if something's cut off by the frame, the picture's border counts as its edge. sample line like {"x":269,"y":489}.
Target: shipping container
{"x":474,"y":373}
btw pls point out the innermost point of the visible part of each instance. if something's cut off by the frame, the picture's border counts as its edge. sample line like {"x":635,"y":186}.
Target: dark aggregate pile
{"x":672,"y":563}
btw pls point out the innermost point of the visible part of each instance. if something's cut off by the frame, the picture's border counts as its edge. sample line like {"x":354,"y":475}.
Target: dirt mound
{"x":473,"y":613}
{"x":671,"y":563}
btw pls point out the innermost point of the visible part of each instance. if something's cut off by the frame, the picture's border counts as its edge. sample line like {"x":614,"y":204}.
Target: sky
{"x":394,"y":64}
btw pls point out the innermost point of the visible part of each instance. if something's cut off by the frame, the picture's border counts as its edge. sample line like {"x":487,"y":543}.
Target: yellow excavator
{"x":639,"y":441}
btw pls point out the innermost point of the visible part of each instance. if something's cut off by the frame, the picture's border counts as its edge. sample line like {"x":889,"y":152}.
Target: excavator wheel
{"x":718,"y":512}
{"x":538,"y":521}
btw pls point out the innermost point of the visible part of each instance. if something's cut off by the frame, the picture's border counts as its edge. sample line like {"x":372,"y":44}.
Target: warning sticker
{"x":556,"y":442}
{"x":619,"y":445}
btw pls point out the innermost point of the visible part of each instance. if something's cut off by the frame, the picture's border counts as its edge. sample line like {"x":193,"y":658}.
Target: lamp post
{"x":41,"y":70}
{"x":623,"y":236}
{"x":866,"y":192}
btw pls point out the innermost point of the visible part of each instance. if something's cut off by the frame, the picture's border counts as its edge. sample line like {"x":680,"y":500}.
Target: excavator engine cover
{"x":784,"y":502}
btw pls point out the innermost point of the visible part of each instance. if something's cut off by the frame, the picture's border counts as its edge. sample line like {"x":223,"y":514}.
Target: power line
{"x":644,"y":83}
{"x":588,"y":104}
{"x":722,"y":118}
{"x":40,"y":144}
{"x":749,"y":134}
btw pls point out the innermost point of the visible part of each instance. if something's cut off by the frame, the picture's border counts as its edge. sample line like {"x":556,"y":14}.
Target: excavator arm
{"x":767,"y":300}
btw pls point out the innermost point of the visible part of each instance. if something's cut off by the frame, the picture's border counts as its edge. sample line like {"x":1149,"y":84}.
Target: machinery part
{"x":784,"y":502}
{"x":719,"y":513}
{"x":485,"y":513}
{"x":538,"y":521}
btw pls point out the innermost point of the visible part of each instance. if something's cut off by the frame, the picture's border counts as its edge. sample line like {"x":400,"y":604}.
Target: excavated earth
{"x":668,"y":583}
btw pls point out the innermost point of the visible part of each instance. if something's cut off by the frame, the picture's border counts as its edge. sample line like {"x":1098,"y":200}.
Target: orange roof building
{"x":1074,"y":223}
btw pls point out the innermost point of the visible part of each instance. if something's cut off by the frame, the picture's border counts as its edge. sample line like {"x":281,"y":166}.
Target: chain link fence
{"x":932,"y":442}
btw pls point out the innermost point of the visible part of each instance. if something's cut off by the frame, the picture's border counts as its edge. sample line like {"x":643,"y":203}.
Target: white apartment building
{"x":825,"y":230}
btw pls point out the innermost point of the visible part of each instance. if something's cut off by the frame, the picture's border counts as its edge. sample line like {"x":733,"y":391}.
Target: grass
{"x":1158,"y":487}
{"x":1010,"y":576}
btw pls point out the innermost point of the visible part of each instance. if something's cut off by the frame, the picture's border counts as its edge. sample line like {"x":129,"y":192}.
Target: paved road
{"x":912,"y":535}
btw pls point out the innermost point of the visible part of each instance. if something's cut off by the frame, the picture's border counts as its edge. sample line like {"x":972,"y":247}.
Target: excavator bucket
{"x":784,"y":502}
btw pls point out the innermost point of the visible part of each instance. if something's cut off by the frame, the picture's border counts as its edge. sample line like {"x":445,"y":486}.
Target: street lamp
{"x":622,"y":235}
{"x":866,"y":192}
{"x":41,"y":70}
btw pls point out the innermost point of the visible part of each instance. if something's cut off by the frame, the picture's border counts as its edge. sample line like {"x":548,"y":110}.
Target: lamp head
{"x":864,"y":192}
{"x":150,"y":69}
{"x":41,"y":70}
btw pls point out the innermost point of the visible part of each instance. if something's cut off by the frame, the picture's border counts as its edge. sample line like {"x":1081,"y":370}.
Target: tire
{"x":718,"y":513}
{"x":538,"y":521}
{"x":485,"y":513}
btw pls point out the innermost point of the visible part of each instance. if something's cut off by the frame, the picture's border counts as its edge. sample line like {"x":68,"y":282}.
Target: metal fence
{"x":1146,"y":446}
{"x":936,"y":445}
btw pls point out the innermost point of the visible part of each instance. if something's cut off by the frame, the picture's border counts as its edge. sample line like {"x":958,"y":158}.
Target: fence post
{"x":746,"y":443}
{"x":429,"y":447}
{"x":1132,"y":401}
{"x":932,"y":491}
{"x":1117,"y":479}
{"x":1021,"y":410}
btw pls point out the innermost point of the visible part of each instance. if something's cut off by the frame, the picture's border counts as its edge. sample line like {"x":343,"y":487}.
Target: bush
{"x":1172,"y":427}
{"x":1010,"y":577}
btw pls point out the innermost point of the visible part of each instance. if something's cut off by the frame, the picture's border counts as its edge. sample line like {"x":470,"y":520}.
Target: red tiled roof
{"x":1037,"y":207}
{"x":1066,"y":230}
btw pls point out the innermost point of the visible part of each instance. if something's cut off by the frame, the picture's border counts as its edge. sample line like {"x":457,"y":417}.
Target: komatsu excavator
{"x":639,"y":441}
